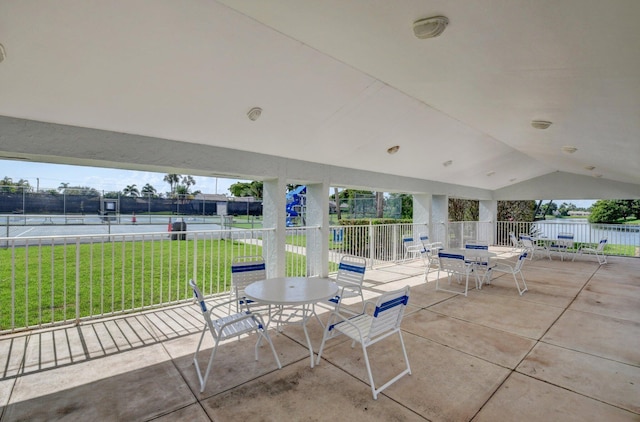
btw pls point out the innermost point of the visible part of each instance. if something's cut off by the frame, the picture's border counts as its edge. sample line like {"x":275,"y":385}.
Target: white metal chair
{"x":562,"y":245}
{"x":482,"y":267}
{"x":456,"y":267}
{"x":598,"y":251}
{"x":244,"y":271}
{"x":370,"y":328}
{"x":429,"y":251}
{"x":531,"y":246}
{"x":225,"y":327}
{"x":517,"y":244}
{"x":349,"y":280}
{"x":412,"y":249}
{"x":514,"y":270}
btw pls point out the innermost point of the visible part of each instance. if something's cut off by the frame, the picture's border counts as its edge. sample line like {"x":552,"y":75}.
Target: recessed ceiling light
{"x":393,"y":149}
{"x":491,"y":173}
{"x":569,"y":149}
{"x":430,"y":27}
{"x":590,"y":168}
{"x":254,"y":113}
{"x":447,"y":163}
{"x":540,"y":124}
{"x":2,"y":53}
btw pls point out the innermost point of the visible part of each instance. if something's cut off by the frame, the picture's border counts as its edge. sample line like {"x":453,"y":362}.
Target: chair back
{"x":527,"y":241}
{"x":565,"y":240}
{"x":474,"y":244}
{"x":244,"y":271}
{"x":602,"y":244}
{"x":407,"y":241}
{"x":351,"y":270}
{"x":197,"y":294}
{"x":388,"y":312}
{"x":514,"y":239}
{"x":520,"y":263}
{"x":452,"y":263}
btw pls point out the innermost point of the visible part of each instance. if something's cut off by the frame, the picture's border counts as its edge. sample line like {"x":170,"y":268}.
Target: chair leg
{"x":265,"y":335}
{"x":520,"y":291}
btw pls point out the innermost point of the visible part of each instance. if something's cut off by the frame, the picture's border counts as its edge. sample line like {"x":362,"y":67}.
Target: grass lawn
{"x":109,"y":278}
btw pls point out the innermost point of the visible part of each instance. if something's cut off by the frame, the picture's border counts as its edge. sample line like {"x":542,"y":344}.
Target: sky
{"x":52,"y":175}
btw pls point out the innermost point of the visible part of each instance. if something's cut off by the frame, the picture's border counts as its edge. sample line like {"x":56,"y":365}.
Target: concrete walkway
{"x":567,"y":350}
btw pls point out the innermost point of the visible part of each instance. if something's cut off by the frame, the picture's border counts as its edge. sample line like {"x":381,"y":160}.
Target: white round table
{"x":293,"y":291}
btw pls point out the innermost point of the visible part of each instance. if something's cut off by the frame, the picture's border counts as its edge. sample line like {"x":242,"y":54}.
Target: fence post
{"x":77,"y":280}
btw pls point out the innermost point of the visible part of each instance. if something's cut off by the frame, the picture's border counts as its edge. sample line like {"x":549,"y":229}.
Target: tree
{"x":173,"y":180}
{"x":605,"y":211}
{"x":516,"y":210}
{"x":8,"y":185}
{"x":242,"y":189}
{"x":148,"y":190}
{"x":463,"y":209}
{"x":131,"y":190}
{"x":379,"y":204}
{"x":63,"y":187}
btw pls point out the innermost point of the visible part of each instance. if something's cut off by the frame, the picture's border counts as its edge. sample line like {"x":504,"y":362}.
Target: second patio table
{"x":302,"y":292}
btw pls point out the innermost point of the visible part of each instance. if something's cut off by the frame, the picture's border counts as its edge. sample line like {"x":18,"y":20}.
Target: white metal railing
{"x":50,"y":280}
{"x":60,"y":279}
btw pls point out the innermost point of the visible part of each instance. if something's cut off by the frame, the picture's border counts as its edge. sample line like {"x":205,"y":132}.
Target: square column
{"x":274,"y":216}
{"x":318,"y":229}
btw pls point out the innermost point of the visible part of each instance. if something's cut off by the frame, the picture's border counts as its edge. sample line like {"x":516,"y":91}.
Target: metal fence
{"x":56,"y":279}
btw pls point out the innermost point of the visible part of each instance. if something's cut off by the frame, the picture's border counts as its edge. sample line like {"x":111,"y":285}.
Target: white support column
{"x":488,"y":212}
{"x":422,"y":211}
{"x":318,"y":239}
{"x":274,"y":216}
{"x":440,"y":219}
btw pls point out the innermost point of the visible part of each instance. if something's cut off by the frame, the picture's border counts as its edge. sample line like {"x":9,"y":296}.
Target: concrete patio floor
{"x":567,"y":350}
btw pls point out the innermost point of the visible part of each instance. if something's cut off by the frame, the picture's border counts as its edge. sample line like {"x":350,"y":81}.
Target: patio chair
{"x":562,"y":245}
{"x":598,"y":251}
{"x":514,"y":270}
{"x":429,"y":251}
{"x":517,"y":244}
{"x":349,"y":280}
{"x":531,"y":246}
{"x":482,"y":267}
{"x":244,"y":271}
{"x":225,"y":327}
{"x":412,"y":249}
{"x":456,"y":267}
{"x":369,"y":328}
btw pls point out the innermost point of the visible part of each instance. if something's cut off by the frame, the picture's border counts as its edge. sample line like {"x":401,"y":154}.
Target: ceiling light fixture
{"x":2,"y":53}
{"x":540,"y":124}
{"x":254,"y":113}
{"x":393,"y":149}
{"x":590,"y":168}
{"x":491,"y":173}
{"x":447,"y":163}
{"x":569,"y":149}
{"x":430,"y":27}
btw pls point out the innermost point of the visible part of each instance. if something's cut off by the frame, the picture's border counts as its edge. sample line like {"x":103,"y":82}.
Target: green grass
{"x":113,"y":277}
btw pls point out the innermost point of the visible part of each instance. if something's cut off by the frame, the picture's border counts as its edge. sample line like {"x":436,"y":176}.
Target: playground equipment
{"x":296,"y":206}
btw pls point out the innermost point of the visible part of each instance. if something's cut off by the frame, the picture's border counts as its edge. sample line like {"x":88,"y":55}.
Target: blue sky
{"x":52,"y":175}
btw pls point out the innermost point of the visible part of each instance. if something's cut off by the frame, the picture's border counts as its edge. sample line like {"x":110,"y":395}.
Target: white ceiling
{"x":340,"y":81}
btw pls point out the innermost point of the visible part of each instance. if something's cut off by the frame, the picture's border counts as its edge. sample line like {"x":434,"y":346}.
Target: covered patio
{"x":568,"y":349}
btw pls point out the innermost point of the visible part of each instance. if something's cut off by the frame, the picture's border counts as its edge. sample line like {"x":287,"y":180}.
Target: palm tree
{"x":172,"y":179}
{"x":63,"y":186}
{"x":131,"y":190}
{"x":148,"y":190}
